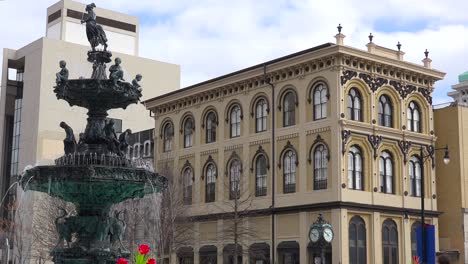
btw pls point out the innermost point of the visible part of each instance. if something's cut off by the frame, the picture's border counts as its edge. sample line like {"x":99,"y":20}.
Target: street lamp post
{"x":423,"y":232}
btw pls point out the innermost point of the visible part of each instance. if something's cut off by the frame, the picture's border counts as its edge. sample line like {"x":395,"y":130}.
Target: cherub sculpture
{"x":62,"y":75}
{"x":135,"y":83}
{"x":116,"y":72}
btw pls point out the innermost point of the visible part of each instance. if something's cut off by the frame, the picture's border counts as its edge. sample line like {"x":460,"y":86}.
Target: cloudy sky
{"x":209,"y":38}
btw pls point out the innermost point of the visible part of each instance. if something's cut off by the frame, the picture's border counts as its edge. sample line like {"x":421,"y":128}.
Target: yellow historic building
{"x":332,"y":129}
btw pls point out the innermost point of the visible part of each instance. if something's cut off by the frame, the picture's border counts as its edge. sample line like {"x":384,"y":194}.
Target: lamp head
{"x":446,"y":156}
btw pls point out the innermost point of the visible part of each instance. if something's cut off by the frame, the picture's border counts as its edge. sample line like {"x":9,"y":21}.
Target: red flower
{"x":151,"y":261}
{"x":144,"y":249}
{"x":122,"y":261}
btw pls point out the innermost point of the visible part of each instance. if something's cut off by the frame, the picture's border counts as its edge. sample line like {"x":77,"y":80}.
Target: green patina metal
{"x":94,"y":173}
{"x":463,"y":77}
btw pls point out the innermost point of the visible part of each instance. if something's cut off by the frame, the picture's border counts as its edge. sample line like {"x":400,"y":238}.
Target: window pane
{"x":350,"y":107}
{"x":410,"y":119}
{"x":351,"y":170}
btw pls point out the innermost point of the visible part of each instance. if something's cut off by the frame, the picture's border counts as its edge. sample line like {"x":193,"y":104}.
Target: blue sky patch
{"x":392,"y":24}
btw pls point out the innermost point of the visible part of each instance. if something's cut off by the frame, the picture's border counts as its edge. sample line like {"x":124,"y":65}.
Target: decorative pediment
{"x":318,"y":141}
{"x":287,"y":147}
{"x":209,"y":161}
{"x":188,"y":165}
{"x":260,"y":152}
{"x":234,"y":156}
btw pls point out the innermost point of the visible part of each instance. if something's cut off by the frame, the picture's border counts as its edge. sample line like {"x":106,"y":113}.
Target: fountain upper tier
{"x":97,"y":94}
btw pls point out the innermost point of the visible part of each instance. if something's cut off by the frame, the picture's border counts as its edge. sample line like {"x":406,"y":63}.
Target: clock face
{"x":314,"y":235}
{"x":328,"y":234}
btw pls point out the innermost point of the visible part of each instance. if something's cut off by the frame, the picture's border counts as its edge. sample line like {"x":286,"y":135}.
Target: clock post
{"x":320,"y":235}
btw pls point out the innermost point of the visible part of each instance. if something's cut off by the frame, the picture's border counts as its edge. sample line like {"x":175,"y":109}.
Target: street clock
{"x":320,"y":235}
{"x":320,"y":231}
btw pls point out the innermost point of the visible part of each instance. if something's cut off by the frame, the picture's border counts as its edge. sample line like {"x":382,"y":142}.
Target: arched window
{"x":234,"y":179}
{"x":355,"y":166}
{"x":289,"y":109}
{"x":414,"y":239}
{"x":129,"y":152}
{"x":210,"y":127}
{"x":136,"y":150}
{"x":187,"y":178}
{"x":210,"y":192}
{"x":147,"y":149}
{"x":414,"y":117}
{"x":261,"y":176}
{"x":386,"y":173}
{"x":320,"y":101}
{"x":389,"y":242}
{"x":385,"y":111}
{"x":261,"y":112}
{"x":289,"y":170}
{"x":235,"y":115}
{"x":357,"y":241}
{"x":320,"y":167}
{"x":354,"y":105}
{"x":415,"y":176}
{"x":188,"y":132}
{"x":168,"y":134}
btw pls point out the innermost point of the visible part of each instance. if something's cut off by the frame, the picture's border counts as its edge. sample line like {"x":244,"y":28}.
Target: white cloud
{"x":213,"y":37}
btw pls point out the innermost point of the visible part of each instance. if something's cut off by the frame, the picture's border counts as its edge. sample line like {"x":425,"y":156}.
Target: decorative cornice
{"x":318,"y":130}
{"x":208,"y":152}
{"x":316,"y":207}
{"x":289,"y":136}
{"x":187,"y":156}
{"x":259,"y":142}
{"x":375,"y":83}
{"x":233,"y":147}
{"x":296,"y":71}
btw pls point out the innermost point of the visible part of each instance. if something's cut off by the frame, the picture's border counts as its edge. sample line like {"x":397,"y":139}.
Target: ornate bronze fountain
{"x":94,"y":173}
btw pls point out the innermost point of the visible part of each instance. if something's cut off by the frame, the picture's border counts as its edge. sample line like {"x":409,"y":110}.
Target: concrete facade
{"x":282,"y":215}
